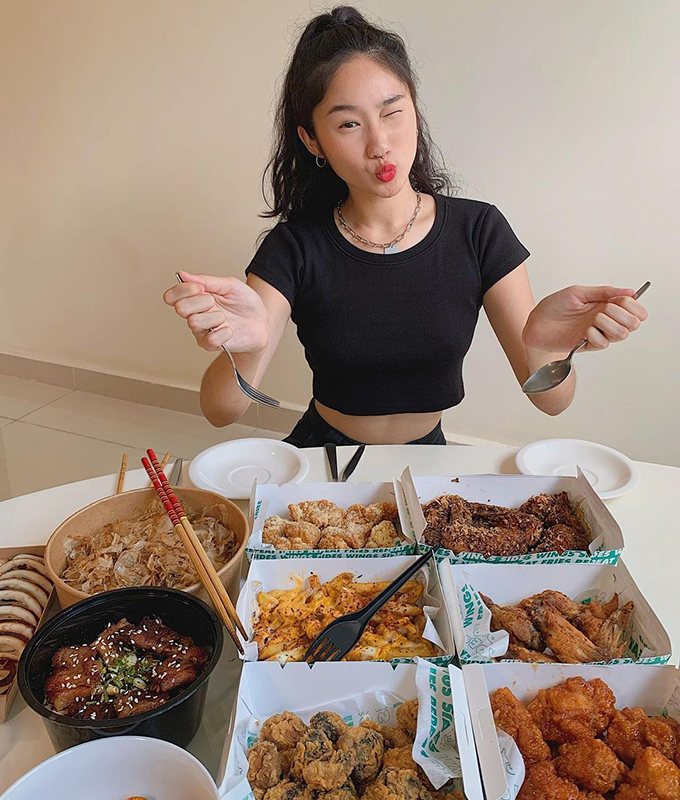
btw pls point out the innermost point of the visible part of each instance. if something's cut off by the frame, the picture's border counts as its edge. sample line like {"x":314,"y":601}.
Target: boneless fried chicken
{"x":321,"y":524}
{"x":365,"y":748}
{"x":330,"y":723}
{"x":573,"y":710}
{"x":543,"y":783}
{"x":264,"y":766}
{"x":512,"y":717}
{"x":318,"y":764}
{"x":654,"y":777}
{"x":544,"y":523}
{"x":407,"y":717}
{"x":631,"y":731}
{"x":591,"y":764}
{"x":397,"y":784}
{"x":283,"y":730}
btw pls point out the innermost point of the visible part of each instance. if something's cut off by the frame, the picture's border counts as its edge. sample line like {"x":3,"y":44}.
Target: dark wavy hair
{"x":298,"y":187}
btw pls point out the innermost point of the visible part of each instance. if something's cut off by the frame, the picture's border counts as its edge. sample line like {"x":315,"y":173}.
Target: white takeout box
{"x":508,"y":584}
{"x":266,"y":689}
{"x":511,"y":491}
{"x":655,"y":689}
{"x":269,"y":499}
{"x":267,"y":576}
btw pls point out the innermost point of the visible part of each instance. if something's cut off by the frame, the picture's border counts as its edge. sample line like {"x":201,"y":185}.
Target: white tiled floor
{"x":50,"y":436}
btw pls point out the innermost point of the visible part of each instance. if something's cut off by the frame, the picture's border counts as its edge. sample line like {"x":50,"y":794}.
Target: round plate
{"x":231,"y":467}
{"x":609,"y":472}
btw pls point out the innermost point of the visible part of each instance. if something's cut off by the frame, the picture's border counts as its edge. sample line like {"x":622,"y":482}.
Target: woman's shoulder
{"x":464,"y":206}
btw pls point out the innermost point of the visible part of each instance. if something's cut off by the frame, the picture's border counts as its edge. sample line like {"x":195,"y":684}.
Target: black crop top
{"x":387,"y":334}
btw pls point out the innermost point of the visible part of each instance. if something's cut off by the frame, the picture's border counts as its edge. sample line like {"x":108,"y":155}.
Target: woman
{"x":382,"y":273}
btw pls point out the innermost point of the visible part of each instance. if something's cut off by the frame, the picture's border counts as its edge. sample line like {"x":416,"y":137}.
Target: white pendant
{"x":392,"y":249}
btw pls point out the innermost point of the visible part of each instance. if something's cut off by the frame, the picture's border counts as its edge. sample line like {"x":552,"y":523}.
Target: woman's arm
{"x":248,"y":317}
{"x":508,"y":304}
{"x":532,"y":336}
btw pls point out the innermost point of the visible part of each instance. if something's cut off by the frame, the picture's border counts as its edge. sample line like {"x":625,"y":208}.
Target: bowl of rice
{"x":128,"y":540}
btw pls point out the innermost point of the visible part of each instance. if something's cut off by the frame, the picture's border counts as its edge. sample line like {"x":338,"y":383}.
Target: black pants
{"x":313,"y":431}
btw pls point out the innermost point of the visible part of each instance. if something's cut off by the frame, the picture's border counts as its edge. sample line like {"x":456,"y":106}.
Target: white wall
{"x":132,"y":136}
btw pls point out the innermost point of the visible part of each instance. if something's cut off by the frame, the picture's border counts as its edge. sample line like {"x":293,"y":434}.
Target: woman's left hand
{"x":600,"y":314}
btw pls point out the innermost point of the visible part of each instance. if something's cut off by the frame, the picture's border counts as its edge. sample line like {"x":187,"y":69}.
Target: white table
{"x":647,"y":516}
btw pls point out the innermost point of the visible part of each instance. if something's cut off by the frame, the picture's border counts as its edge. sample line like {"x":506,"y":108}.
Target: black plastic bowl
{"x":177,"y":721}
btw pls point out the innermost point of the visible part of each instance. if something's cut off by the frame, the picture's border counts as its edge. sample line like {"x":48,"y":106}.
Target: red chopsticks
{"x":206,"y":571}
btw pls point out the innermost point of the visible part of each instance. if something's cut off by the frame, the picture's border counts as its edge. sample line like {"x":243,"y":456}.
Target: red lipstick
{"x":386,"y":173}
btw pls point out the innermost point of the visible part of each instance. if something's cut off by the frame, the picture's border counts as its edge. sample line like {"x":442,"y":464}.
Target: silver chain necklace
{"x":389,"y":247}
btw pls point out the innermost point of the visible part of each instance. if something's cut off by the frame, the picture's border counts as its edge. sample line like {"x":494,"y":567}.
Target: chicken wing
{"x":519,"y":653}
{"x":569,"y":645}
{"x":515,"y":621}
{"x":610,"y":638}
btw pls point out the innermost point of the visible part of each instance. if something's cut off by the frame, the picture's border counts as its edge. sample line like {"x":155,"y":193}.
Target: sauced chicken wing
{"x":654,"y":777}
{"x":543,"y":783}
{"x":574,"y":709}
{"x":512,"y":717}
{"x":591,"y":764}
{"x":365,"y":748}
{"x":631,"y":731}
{"x":283,"y":730}
{"x":264,"y":766}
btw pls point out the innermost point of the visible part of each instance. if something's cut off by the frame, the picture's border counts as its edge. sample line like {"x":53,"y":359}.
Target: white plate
{"x":115,"y":768}
{"x":231,"y":467}
{"x":609,"y":472}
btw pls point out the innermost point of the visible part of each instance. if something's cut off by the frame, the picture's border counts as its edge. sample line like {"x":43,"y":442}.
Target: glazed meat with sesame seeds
{"x":127,"y":670}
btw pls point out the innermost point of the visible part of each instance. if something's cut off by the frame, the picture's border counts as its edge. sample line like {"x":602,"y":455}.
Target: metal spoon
{"x":551,"y":375}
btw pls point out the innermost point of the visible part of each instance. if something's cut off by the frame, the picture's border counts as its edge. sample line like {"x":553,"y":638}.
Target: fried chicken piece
{"x":542,"y":783}
{"x":572,"y":710}
{"x":610,"y":638}
{"x":318,"y":764}
{"x":463,"y":538}
{"x":384,"y":534}
{"x":567,"y":607}
{"x":273,"y":529}
{"x":284,"y":543}
{"x":346,"y":792}
{"x":447,"y":508}
{"x":515,"y":621}
{"x":330,"y":723}
{"x":591,"y":764}
{"x":551,"y":509}
{"x":289,"y":790}
{"x":512,"y":717}
{"x":355,"y":538}
{"x":329,"y":541}
{"x":407,"y":717}
{"x":654,"y":777}
{"x":569,"y":645}
{"x":519,"y":653}
{"x":588,"y":624}
{"x":283,"y":730}
{"x":264,"y":766}
{"x":631,"y":731}
{"x":399,"y":758}
{"x":397,"y":784}
{"x":560,"y":538}
{"x":392,"y":737}
{"x":286,"y":756}
{"x":377,"y":512}
{"x":365,"y":749}
{"x":321,"y":513}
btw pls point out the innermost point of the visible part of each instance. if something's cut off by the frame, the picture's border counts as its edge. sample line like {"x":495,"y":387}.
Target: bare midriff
{"x":384,"y":429}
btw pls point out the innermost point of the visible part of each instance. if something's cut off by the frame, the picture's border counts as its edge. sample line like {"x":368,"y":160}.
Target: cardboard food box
{"x":7,"y":698}
{"x":647,"y":640}
{"x":655,"y":689}
{"x":444,"y":743}
{"x":266,"y":576}
{"x":512,"y":490}
{"x":268,"y":500}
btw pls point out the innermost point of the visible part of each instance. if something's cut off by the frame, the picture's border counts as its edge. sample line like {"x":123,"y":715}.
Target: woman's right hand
{"x":231,"y":308}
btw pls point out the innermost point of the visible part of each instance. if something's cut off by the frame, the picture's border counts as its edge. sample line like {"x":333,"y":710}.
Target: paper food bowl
{"x":126,"y":506}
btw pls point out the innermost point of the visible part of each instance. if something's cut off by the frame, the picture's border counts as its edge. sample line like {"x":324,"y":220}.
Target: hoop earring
{"x":321,"y":166}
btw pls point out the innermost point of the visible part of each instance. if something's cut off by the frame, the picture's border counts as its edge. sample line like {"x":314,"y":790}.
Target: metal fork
{"x":254,"y":394}
{"x":338,"y":638}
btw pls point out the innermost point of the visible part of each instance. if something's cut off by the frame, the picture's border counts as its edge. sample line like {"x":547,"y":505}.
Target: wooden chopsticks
{"x":206,"y":572}
{"x":123,"y":470}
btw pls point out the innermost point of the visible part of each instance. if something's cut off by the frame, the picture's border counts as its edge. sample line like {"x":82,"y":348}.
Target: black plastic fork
{"x":340,"y":636}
